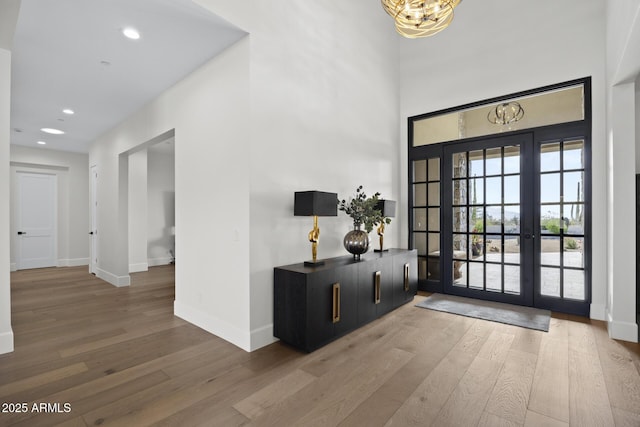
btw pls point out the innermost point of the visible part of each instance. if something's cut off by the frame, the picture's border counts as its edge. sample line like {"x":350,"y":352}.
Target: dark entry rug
{"x":526,"y":317}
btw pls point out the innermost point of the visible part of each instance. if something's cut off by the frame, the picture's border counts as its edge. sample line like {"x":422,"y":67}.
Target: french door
{"x":488,"y":232}
{"x":505,"y":218}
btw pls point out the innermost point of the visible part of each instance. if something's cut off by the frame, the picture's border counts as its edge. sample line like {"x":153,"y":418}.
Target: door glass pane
{"x":575,"y":213}
{"x":574,"y":284}
{"x":573,"y":155}
{"x":550,"y":219}
{"x":573,"y":253}
{"x":512,"y":219}
{"x":434,"y":169}
{"x":433,"y":268}
{"x":420,"y":243}
{"x":550,"y":281}
{"x":459,"y":246}
{"x":459,"y":192}
{"x":550,"y":188}
{"x":512,"y":279}
{"x":512,"y":189}
{"x":419,"y":194}
{"x":476,"y":163}
{"x":476,"y":191}
{"x":434,"y":194}
{"x":476,"y":245}
{"x":494,"y":277}
{"x":573,"y":186}
{"x":434,"y":244}
{"x":460,"y":277}
{"x":550,"y":251}
{"x":476,"y":275}
{"x":512,"y":159}
{"x":460,"y":219}
{"x":459,"y":165}
{"x":550,"y":157}
{"x":419,"y":171}
{"x":420,"y":219}
{"x":434,"y":219}
{"x":494,"y":161}
{"x":494,"y":190}
{"x":494,"y":248}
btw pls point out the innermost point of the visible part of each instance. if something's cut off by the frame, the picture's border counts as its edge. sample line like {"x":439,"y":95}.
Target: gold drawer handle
{"x":335,"y":316}
{"x":376,"y":285}
{"x":406,"y":277}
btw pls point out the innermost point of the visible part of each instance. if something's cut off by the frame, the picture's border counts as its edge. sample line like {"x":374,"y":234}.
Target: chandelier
{"x":505,"y":113}
{"x":420,"y":18}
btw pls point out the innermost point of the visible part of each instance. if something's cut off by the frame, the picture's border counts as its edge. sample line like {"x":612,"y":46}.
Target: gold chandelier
{"x":420,"y":18}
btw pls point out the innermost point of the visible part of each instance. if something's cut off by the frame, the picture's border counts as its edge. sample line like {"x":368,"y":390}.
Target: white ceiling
{"x":57,"y":55}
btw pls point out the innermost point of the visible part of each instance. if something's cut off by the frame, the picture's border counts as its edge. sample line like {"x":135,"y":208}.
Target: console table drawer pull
{"x":335,"y":316}
{"x":377,"y":287}
{"x":406,"y":277}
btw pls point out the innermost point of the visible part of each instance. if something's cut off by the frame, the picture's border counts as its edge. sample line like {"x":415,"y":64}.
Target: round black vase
{"x":356,"y":242}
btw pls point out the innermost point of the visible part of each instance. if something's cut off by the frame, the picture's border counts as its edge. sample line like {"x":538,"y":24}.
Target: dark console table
{"x":313,"y":306}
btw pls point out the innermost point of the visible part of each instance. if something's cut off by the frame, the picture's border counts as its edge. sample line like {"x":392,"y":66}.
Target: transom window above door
{"x":551,"y":107}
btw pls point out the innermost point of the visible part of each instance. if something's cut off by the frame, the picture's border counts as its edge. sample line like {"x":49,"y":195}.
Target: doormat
{"x":526,"y":317}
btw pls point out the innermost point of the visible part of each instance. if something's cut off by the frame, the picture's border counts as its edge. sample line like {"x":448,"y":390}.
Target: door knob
{"x":91,"y":232}
{"x":20,"y":233}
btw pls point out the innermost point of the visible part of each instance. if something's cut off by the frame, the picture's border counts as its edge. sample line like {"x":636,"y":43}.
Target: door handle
{"x":529,"y":236}
{"x":20,"y":233}
{"x":91,"y":232}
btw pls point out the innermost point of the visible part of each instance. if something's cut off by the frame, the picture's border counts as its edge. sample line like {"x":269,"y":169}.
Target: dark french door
{"x":505,"y":218}
{"x":488,"y":231}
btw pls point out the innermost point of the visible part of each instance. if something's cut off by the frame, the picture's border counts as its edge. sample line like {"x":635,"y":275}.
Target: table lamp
{"x":315,"y":203}
{"x":388,"y":210}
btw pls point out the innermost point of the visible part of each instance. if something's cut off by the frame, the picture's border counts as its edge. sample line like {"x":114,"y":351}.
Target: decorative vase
{"x":356,"y":242}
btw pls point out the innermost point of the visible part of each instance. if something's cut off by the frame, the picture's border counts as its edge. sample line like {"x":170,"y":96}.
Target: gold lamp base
{"x":314,"y":236}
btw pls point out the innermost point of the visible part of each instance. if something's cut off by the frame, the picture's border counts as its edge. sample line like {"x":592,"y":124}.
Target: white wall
{"x":138,"y":259}
{"x":324,"y":116}
{"x":72,"y":170}
{"x":8,"y":18}
{"x":161,"y":192}
{"x":208,"y":111}
{"x":6,"y":333}
{"x":623,"y":67}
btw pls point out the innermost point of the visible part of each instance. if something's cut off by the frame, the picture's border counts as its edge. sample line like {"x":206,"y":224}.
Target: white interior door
{"x":36,"y":220}
{"x":93,"y":265}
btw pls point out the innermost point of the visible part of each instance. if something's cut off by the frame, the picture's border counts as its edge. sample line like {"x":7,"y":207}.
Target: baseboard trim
{"x":213,"y":325}
{"x":598,"y":312}
{"x":136,"y":268}
{"x":625,"y":331}
{"x":6,"y":342}
{"x":13,"y":266}
{"x":117,"y":281}
{"x":152,"y":262}
{"x":262,"y":337}
{"x":73,"y":262}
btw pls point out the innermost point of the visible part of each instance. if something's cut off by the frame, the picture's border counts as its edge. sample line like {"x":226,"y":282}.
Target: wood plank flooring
{"x":118,"y":356}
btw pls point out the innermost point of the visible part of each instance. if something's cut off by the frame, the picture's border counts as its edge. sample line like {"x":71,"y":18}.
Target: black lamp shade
{"x":320,"y":203}
{"x":387,"y":207}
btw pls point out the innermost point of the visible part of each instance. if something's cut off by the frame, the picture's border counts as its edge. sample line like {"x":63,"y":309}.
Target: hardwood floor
{"x":118,"y":356}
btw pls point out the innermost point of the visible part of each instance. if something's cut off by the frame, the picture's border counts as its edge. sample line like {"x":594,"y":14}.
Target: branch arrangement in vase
{"x":363,"y":211}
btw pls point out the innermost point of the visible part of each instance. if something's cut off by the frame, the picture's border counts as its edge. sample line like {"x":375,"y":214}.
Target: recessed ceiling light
{"x":42,"y":143}
{"x":52,"y":131}
{"x":68,"y":111}
{"x":131,"y":33}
